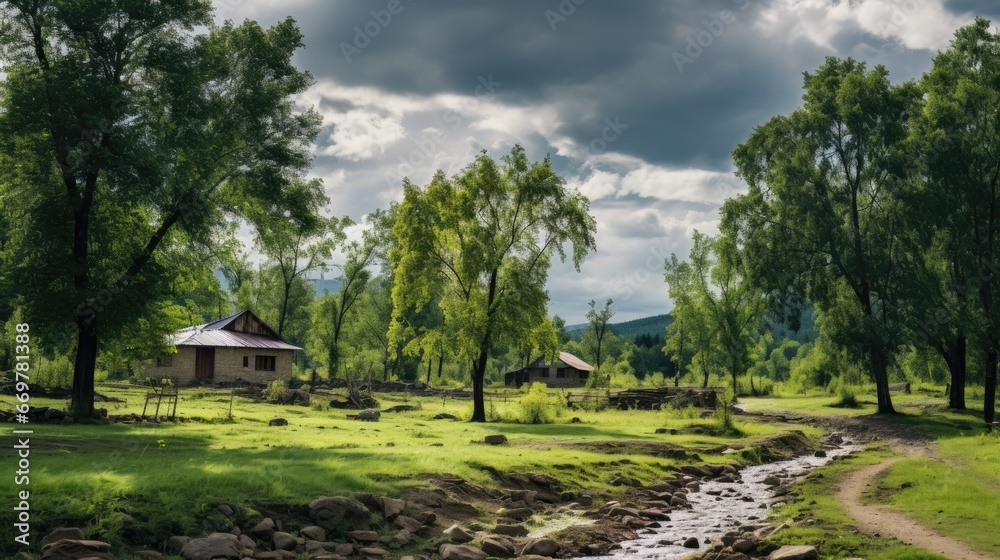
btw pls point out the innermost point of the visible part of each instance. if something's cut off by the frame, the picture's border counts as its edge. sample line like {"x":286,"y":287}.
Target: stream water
{"x":718,"y":508}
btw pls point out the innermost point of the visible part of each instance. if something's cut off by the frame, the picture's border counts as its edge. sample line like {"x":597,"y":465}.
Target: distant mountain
{"x":655,"y":325}
{"x":320,"y":285}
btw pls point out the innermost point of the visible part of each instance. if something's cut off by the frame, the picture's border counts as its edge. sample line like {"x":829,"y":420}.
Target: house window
{"x":166,"y":360}
{"x":560,"y":373}
{"x":264,"y":363}
{"x":246,"y":361}
{"x":584,"y":375}
{"x":545,"y":373}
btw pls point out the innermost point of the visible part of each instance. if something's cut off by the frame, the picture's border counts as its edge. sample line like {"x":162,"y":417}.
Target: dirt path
{"x":883,"y":521}
{"x":878,"y":519}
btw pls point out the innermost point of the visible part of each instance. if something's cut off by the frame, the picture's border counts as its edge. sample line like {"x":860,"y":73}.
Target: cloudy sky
{"x":639,"y":103}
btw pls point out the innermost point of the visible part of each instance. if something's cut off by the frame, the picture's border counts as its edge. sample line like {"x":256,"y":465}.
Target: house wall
{"x":572,"y":378}
{"x":228,"y":365}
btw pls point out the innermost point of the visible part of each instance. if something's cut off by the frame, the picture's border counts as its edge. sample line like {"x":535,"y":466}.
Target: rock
{"x":330,"y":512}
{"x":283,"y":541}
{"x":373,"y":551}
{"x":276,"y":555}
{"x":148,"y":555}
{"x":408,"y":523}
{"x":363,"y":536}
{"x":313,"y":533}
{"x":458,"y":534}
{"x":370,"y":415}
{"x":654,"y":514}
{"x":265,"y":527}
{"x":511,"y":530}
{"x":622,"y":511}
{"x":402,"y":537}
{"x":278,"y":422}
{"x":247,"y":542}
{"x":176,"y":543}
{"x":391,"y":508}
{"x":520,"y":514}
{"x":799,"y":552}
{"x":743,"y":545}
{"x":461,"y":552}
{"x":495,"y":439}
{"x":71,"y":533}
{"x":771,"y":481}
{"x":677,"y":501}
{"x":494,"y":547}
{"x":446,"y":416}
{"x":542,"y":547}
{"x":662,"y":431}
{"x":691,"y":542}
{"x":226,"y":510}
{"x":296,"y":396}
{"x":73,"y":549}
{"x":216,"y":545}
{"x":820,"y":453}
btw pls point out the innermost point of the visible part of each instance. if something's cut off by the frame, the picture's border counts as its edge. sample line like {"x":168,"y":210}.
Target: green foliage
{"x":537,"y":406}
{"x":275,"y":391}
{"x":847,"y":399}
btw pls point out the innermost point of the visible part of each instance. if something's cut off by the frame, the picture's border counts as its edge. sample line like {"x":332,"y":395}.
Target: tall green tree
{"x":823,"y":212}
{"x":598,"y":326}
{"x":692,"y":337}
{"x":126,"y":127}
{"x":490,"y":232}
{"x":959,"y":131}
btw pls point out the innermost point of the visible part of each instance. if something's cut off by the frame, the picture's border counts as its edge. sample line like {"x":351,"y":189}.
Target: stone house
{"x":238,"y":348}
{"x":567,"y":371}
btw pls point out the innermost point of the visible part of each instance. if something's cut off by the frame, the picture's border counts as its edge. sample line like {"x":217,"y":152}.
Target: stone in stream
{"x":820,"y":453}
{"x":691,"y":542}
{"x":799,"y":552}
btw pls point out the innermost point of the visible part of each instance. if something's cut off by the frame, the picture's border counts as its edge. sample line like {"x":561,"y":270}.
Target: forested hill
{"x":655,"y":325}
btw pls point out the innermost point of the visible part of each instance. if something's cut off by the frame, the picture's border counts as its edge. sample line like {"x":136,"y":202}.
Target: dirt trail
{"x":882,"y":520}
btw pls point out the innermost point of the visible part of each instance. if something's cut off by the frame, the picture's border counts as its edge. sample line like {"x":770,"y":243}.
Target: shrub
{"x":847,"y":399}
{"x":275,"y":391}
{"x":538,"y":407}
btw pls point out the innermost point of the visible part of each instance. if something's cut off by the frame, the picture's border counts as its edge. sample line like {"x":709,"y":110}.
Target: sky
{"x":638,"y":103}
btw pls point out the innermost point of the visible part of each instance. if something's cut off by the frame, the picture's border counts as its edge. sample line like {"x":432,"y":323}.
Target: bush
{"x":847,"y":399}
{"x":275,"y":391}
{"x":538,"y":407}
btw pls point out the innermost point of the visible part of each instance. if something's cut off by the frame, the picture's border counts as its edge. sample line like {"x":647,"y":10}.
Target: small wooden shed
{"x":567,"y":371}
{"x":238,"y":348}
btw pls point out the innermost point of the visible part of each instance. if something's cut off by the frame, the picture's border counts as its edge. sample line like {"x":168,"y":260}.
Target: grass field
{"x":149,"y":481}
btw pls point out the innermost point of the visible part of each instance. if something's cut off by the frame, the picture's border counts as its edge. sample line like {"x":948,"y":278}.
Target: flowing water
{"x":743,"y":503}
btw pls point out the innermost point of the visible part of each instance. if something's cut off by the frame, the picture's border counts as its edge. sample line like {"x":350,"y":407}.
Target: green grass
{"x":100,"y":476}
{"x":816,"y":517}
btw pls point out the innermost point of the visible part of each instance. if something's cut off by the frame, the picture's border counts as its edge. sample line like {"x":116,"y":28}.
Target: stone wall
{"x":228,"y":365}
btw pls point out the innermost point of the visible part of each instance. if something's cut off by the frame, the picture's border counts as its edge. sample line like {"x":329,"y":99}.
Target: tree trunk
{"x":880,"y":372}
{"x":478,"y":399}
{"x":955,"y":358}
{"x":82,"y":405}
{"x":430,"y":362}
{"x":990,"y":392}
{"x":440,"y":364}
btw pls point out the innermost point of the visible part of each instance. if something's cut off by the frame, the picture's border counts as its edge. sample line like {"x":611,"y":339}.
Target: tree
{"x":692,"y":334}
{"x":127,"y":129}
{"x":597,"y":325}
{"x":960,"y":138}
{"x":299,"y":240}
{"x":823,"y":212}
{"x":488,"y":234}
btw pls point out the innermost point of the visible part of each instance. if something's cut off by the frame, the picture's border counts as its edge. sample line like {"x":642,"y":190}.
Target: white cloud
{"x":916,"y":24}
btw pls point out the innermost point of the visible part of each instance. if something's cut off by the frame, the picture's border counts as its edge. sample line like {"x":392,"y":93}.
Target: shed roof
{"x":565,"y":358}
{"x":222,"y":333}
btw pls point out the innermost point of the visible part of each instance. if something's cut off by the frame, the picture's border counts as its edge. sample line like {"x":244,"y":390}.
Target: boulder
{"x":61,"y":533}
{"x":461,"y":552}
{"x":330,"y":512}
{"x":391,"y":508}
{"x":313,"y":533}
{"x":495,"y":547}
{"x":276,"y":555}
{"x":362,"y":536}
{"x":691,"y":542}
{"x":820,"y":453}
{"x":296,"y":396}
{"x":265,"y":527}
{"x":511,"y":530}
{"x":370,"y":415}
{"x":373,"y":551}
{"x":73,"y":549}
{"x":542,"y":547}
{"x":278,"y":422}
{"x":458,"y":534}
{"x":495,"y":439}
{"x":798,"y":552}
{"x":283,"y":541}
{"x":402,"y":537}
{"x":771,"y":481}
{"x":408,"y":523}
{"x":744,"y":546}
{"x":212,"y":547}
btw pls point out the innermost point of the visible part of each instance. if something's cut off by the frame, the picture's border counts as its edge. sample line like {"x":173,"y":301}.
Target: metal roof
{"x":195,"y":336}
{"x":573,"y":361}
